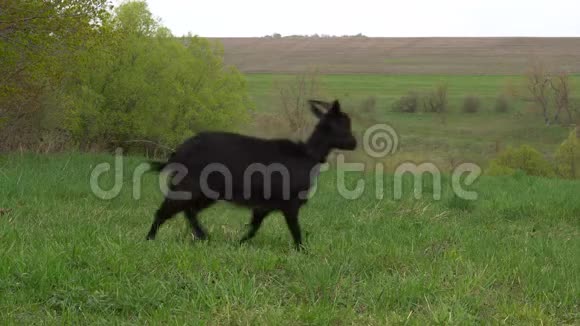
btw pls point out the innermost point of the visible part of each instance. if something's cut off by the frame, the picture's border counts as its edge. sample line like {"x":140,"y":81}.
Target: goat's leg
{"x":191,"y":214}
{"x":258,"y":216}
{"x":167,"y":210}
{"x":291,"y":216}
{"x":196,"y":228}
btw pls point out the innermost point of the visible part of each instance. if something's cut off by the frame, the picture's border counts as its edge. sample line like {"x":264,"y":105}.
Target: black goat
{"x":264,"y":175}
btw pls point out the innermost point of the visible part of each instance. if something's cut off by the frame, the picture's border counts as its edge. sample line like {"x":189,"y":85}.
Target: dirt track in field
{"x":401,"y":55}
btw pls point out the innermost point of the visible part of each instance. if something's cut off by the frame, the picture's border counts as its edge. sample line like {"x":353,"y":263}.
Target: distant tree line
{"x":84,"y":73}
{"x":315,"y":36}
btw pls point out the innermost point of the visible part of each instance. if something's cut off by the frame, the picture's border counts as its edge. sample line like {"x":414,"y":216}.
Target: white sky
{"x":220,"y":18}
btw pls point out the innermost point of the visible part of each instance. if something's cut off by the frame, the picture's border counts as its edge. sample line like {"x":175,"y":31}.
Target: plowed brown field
{"x":400,"y":55}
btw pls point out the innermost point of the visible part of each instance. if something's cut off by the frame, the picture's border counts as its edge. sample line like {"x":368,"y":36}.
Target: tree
{"x":38,"y":39}
{"x":35,"y":35}
{"x":108,"y":77}
{"x":294,"y":96}
{"x":560,"y":84}
{"x":147,"y":85}
{"x":134,"y":18}
{"x":538,"y":85}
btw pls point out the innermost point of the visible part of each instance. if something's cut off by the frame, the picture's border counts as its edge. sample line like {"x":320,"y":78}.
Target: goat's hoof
{"x":301,"y":249}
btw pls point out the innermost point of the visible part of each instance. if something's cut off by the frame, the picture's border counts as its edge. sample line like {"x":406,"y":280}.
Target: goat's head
{"x":333,"y":125}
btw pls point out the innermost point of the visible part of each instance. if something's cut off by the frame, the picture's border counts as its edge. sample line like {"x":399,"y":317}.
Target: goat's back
{"x":279,"y":164}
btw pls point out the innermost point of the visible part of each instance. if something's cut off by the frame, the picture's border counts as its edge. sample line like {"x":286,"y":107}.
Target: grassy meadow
{"x":512,"y":256}
{"x":386,"y":89}
{"x":79,"y":78}
{"x":67,"y":257}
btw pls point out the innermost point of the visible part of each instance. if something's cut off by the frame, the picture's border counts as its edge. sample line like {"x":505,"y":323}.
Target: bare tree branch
{"x":560,"y":84}
{"x":538,"y":84}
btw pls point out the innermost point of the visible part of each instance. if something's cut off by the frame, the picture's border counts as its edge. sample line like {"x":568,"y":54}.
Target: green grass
{"x":387,"y":88}
{"x":423,"y":136}
{"x":66,"y":257}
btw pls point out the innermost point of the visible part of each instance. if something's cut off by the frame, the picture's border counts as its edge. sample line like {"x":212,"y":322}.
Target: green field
{"x":387,"y":88}
{"x":423,"y":136}
{"x":512,"y":256}
{"x":80,"y":80}
{"x":66,"y":257}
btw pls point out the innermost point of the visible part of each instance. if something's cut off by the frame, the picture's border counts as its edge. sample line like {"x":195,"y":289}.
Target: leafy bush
{"x":436,"y":100}
{"x":496,"y":169}
{"x":568,"y":156}
{"x":524,"y":158}
{"x":502,"y":104}
{"x":471,"y":104}
{"x":408,"y":103}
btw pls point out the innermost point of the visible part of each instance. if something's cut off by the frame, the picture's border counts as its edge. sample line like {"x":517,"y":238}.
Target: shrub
{"x":471,"y":104}
{"x":408,"y":103}
{"x":524,"y":158}
{"x":496,"y":169}
{"x":436,"y":100}
{"x":502,"y":104}
{"x":145,"y":84}
{"x":568,"y":156}
{"x":369,"y":104}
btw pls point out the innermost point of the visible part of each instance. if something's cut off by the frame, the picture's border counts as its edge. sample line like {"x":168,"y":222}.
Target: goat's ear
{"x":317,"y":106}
{"x":335,"y":108}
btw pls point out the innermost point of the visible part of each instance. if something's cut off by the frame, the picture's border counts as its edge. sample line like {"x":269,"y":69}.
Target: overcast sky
{"x":243,"y":18}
